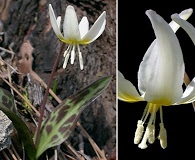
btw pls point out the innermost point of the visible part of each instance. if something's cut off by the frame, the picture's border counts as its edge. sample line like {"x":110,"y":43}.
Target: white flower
{"x":74,"y":33}
{"x":160,"y":79}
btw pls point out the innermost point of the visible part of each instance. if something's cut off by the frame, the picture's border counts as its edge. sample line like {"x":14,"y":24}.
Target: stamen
{"x":163,"y":133}
{"x":66,"y":60}
{"x":72,"y":55}
{"x":80,"y":57}
{"x":138,"y":132}
{"x":163,"y":136}
{"x":151,"y":136}
{"x":143,"y":144}
{"x":65,"y":53}
{"x":81,"y":60}
{"x":140,"y":128}
{"x":67,"y":50}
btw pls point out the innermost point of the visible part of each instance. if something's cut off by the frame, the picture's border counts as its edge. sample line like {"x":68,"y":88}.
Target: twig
{"x":6,"y":50}
{"x":55,"y":155}
{"x":5,"y":155}
{"x":73,"y":151}
{"x":12,"y":154}
{"x":71,"y":158}
{"x":99,"y":153}
{"x":33,"y":108}
{"x":14,"y":150}
{"x":10,"y":66}
{"x":9,"y":74}
{"x":81,"y":146}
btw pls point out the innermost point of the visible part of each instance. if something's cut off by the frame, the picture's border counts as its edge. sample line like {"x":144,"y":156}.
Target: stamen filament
{"x":73,"y":54}
{"x":67,"y":50}
{"x":161,"y":115}
{"x":81,"y":60}
{"x":163,"y":133}
{"x":149,"y":134}
{"x":80,"y":57}
{"x":66,"y":60}
{"x":146,"y":112}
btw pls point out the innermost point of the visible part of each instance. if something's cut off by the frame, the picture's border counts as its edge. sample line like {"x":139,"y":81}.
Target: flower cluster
{"x":163,"y":60}
{"x":75,"y":33}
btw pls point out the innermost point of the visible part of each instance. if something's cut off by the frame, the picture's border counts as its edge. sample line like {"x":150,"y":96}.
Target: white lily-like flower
{"x":75,"y":33}
{"x":160,"y":79}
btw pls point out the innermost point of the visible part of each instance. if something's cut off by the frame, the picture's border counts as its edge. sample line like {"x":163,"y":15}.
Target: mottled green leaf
{"x":7,"y":99}
{"x":61,"y":122}
{"x":6,"y":103}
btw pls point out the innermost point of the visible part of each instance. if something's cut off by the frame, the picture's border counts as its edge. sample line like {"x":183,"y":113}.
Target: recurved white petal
{"x":71,"y":26}
{"x":186,"y":26}
{"x":83,"y":26}
{"x":126,"y":90}
{"x":185,"y":14}
{"x":145,"y":70}
{"x":59,"y":21}
{"x":96,"y":30}
{"x":189,"y":94}
{"x":164,"y":83}
{"x":54,"y":23}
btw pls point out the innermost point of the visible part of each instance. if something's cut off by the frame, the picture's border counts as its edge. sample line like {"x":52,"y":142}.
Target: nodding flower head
{"x":75,"y":33}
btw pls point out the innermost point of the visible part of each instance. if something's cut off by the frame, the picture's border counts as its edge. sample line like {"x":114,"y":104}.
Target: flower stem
{"x":46,"y":93}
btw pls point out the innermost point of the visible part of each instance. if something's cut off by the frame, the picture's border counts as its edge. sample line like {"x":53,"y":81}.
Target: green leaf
{"x":62,"y":121}
{"x":7,"y":100}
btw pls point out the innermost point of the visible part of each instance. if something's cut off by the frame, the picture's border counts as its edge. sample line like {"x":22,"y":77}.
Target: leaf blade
{"x":6,"y":100}
{"x":60,"y":123}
